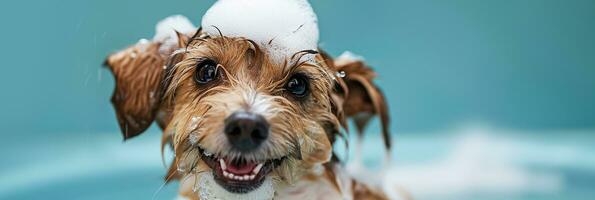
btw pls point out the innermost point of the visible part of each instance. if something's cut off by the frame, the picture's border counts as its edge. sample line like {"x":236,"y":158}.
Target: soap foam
{"x":165,"y":31}
{"x":281,"y":27}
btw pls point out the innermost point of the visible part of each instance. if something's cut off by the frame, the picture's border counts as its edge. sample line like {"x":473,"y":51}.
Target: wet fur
{"x":152,"y":86}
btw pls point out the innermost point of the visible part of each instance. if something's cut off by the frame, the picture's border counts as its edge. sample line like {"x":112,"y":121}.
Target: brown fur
{"x":364,"y":100}
{"x":247,"y":72}
{"x":138,"y":72}
{"x":302,"y":129}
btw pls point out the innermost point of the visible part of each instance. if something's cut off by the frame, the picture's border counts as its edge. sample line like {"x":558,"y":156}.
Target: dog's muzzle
{"x":246,"y":131}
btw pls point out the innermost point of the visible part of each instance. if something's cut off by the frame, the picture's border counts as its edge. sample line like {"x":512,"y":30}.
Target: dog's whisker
{"x":167,"y":179}
{"x":158,"y":190}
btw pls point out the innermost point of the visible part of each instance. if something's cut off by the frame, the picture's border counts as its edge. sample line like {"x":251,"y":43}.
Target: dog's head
{"x":242,"y":116}
{"x":235,"y":110}
{"x":231,"y":110}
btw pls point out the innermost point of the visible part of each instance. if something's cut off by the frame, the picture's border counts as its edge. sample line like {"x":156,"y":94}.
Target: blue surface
{"x":462,"y":163}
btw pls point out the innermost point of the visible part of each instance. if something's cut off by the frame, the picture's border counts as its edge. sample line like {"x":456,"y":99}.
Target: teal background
{"x":516,"y":64}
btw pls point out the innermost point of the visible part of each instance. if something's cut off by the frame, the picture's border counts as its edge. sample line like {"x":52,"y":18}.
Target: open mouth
{"x":239,"y":175}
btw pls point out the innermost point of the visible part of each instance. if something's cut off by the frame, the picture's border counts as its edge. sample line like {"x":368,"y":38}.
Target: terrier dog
{"x":243,"y":125}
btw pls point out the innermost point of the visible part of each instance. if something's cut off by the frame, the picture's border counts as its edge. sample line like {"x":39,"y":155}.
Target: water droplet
{"x":182,"y":168}
{"x":193,"y":138}
{"x":318,"y":169}
{"x":193,"y":123}
{"x":341,"y":74}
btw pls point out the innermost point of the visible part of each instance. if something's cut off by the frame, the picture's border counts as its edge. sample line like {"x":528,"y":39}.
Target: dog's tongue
{"x":241,"y":168}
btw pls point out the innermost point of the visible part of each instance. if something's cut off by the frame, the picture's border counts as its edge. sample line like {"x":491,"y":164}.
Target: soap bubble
{"x":193,"y":123}
{"x":193,"y":138}
{"x":182,"y":168}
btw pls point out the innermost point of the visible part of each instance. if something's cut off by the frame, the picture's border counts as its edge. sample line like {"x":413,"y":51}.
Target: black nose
{"x":246,"y":131}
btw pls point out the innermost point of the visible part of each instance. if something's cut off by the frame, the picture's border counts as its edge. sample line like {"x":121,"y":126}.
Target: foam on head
{"x":165,"y":31}
{"x":281,"y":27}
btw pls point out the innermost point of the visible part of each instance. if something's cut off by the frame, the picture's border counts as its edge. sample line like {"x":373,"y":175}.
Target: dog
{"x":245,"y":121}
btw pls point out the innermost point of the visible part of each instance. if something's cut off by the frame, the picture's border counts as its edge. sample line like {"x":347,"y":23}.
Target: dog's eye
{"x":206,"y":71}
{"x":297,"y":85}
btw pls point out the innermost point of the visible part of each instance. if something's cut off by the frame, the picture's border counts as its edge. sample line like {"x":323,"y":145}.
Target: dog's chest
{"x":319,"y":187}
{"x":315,"y":186}
{"x":319,"y":190}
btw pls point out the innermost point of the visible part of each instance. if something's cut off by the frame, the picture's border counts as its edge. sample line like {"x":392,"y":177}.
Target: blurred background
{"x":491,"y":99}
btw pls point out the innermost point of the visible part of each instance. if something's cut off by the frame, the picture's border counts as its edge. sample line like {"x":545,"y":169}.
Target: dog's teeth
{"x":246,"y":177}
{"x":225,"y":174}
{"x":240,"y":178}
{"x":257,"y":168}
{"x":206,"y":153}
{"x":252,"y":177}
{"x":222,"y":164}
{"x":230,"y":175}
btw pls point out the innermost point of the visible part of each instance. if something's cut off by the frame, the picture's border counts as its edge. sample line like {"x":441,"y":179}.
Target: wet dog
{"x":243,"y":125}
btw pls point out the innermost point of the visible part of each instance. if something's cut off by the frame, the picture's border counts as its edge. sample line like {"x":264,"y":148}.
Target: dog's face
{"x":244,"y":118}
{"x":233,"y":113}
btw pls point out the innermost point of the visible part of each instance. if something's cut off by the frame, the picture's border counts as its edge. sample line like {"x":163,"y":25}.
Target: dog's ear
{"x":139,"y":72}
{"x":339,"y":92}
{"x":183,"y":39}
{"x":362,"y":99}
{"x":336,"y":98}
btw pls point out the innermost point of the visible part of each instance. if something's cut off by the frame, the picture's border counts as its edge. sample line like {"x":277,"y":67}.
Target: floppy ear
{"x":362,"y":99}
{"x":336,"y":97}
{"x":139,"y":71}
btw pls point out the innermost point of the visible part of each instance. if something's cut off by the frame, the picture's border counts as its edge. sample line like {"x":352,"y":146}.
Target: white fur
{"x":292,"y":25}
{"x":208,"y":189}
{"x":262,"y":105}
{"x":205,"y":187}
{"x":319,"y":189}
